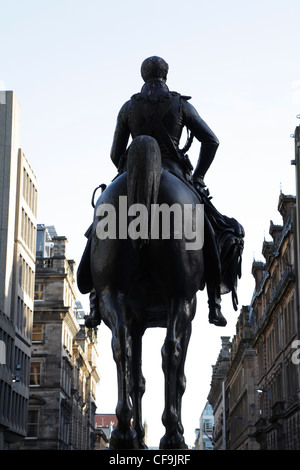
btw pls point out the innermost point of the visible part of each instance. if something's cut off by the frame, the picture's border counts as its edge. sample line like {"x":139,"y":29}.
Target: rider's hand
{"x":199,"y":183}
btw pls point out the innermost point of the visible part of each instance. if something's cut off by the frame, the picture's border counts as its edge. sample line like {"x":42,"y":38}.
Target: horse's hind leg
{"x":173,"y":359}
{"x":138,"y":384}
{"x":123,"y":436}
{"x":181,"y":379}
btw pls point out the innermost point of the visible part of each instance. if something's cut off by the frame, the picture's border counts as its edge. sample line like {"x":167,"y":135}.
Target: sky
{"x":72,"y":64}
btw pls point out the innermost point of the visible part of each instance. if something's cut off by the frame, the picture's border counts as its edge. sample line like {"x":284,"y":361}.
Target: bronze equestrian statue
{"x":151,"y":281}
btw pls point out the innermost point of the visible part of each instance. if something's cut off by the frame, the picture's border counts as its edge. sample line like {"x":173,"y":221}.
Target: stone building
{"x":104,"y":424}
{"x":18,"y":210}
{"x":216,"y":396}
{"x":204,"y":435}
{"x":240,"y":388}
{"x":259,"y":404}
{"x":63,"y":371}
{"x":275,"y":313}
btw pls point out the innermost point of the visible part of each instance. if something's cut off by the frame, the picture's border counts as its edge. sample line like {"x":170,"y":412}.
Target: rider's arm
{"x":202,"y":132}
{"x":121,"y":137}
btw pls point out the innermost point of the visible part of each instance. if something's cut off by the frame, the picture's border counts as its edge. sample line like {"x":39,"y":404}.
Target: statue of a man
{"x":162,"y":114}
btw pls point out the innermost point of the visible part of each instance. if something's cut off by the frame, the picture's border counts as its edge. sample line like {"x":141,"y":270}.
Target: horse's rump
{"x":161,"y":268}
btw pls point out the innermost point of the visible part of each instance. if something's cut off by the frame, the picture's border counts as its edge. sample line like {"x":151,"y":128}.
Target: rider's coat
{"x":155,"y":102}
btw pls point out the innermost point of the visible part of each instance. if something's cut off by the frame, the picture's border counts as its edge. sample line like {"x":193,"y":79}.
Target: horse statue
{"x":145,"y":259}
{"x":147,"y":283}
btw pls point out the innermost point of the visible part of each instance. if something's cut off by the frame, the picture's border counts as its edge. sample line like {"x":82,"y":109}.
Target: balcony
{"x":277,"y":410}
{"x":44,"y":263}
{"x":261,"y":425}
{"x":54,"y":264}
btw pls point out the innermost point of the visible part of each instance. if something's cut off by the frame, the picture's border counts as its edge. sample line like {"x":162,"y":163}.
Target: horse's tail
{"x":143,"y":179}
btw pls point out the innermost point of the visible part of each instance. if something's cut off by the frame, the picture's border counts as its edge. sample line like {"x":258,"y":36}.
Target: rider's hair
{"x":154,"y":67}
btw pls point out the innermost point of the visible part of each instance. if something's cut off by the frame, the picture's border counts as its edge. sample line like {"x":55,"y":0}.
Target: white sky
{"x":72,"y":64}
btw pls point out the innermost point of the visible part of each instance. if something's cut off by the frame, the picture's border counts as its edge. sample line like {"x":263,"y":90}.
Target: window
{"x":33,"y":419}
{"x":208,"y":427}
{"x":37,"y":333}
{"x":35,"y":374}
{"x":39,"y":292}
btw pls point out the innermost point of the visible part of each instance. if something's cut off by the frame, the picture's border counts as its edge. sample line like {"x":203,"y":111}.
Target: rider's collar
{"x":154,"y":91}
{"x":155,"y":85}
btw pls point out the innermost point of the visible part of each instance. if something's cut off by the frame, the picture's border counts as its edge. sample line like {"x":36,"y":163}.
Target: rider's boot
{"x":214,"y":302}
{"x":93,"y":319}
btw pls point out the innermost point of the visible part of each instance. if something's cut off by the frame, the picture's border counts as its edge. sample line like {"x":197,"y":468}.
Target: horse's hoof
{"x":172,"y":442}
{"x":92,"y":320}
{"x":143,"y":446}
{"x":123,"y":441}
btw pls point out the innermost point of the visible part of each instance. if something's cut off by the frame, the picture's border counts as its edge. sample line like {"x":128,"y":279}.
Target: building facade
{"x":216,"y":396}
{"x":240,"y":387}
{"x":63,"y":371}
{"x":104,"y":423}
{"x":18,"y":210}
{"x":260,"y":400}
{"x":204,"y":435}
{"x":275,"y":321}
